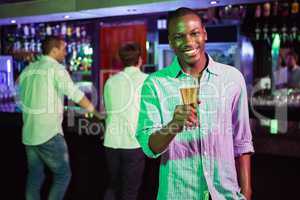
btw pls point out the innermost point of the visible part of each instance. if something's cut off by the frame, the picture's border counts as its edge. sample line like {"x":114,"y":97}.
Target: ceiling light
{"x":66,"y":16}
{"x":131,"y":10}
{"x":214,"y":2}
{"x":13,"y":21}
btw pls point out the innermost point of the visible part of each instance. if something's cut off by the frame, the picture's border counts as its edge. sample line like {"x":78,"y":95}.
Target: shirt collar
{"x":176,"y":69}
{"x":48,"y":58}
{"x":131,"y":69}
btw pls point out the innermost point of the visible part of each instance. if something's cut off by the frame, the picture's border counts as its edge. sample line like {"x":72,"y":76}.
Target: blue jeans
{"x":54,"y":155}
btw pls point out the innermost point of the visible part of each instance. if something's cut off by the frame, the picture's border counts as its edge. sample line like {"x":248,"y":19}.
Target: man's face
{"x":290,"y":61}
{"x":61,"y":52}
{"x":187,"y":38}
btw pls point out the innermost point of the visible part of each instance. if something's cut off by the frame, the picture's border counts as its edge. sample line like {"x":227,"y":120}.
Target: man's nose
{"x":188,"y":38}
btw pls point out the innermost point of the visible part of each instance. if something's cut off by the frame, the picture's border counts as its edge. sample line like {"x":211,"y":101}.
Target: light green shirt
{"x":122,"y":104}
{"x":199,"y":160}
{"x":43,"y":85}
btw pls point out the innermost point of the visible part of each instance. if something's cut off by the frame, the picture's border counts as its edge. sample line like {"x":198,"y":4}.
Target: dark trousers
{"x":125,"y":168}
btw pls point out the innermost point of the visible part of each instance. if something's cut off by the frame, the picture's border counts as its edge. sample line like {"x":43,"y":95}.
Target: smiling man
{"x":205,"y":148}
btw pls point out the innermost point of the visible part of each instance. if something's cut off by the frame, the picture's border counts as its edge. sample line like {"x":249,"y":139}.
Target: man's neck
{"x":51,"y":56}
{"x":292,"y":67}
{"x":197,"y":68}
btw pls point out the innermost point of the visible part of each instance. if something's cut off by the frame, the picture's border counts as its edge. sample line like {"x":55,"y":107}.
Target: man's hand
{"x":243,"y":166}
{"x":184,"y":115}
{"x":247,"y":193}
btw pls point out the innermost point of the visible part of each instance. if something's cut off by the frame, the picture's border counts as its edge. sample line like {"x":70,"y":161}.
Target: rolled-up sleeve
{"x":149,"y":119}
{"x":66,"y":86}
{"x":242,"y":137}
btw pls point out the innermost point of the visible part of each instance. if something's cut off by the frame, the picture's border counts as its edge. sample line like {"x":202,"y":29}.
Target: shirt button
{"x":205,"y":173}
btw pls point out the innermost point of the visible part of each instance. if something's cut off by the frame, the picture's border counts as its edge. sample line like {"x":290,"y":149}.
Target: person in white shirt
{"x":293,"y":70}
{"x":43,"y":85}
{"x":125,"y":159}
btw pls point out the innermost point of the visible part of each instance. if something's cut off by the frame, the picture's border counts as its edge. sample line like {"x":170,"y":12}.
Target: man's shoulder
{"x":297,"y":70}
{"x":228,"y":70}
{"x":142,"y":74}
{"x":117,"y":78}
{"x":122,"y":75}
{"x":28,"y":69}
{"x":165,"y":72}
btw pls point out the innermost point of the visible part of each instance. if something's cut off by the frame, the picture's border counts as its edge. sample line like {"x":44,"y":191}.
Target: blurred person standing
{"x":43,"y":85}
{"x":125,"y":159}
{"x":293,"y":70}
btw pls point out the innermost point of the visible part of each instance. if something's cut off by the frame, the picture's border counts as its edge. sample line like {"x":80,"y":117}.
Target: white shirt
{"x":122,"y":104}
{"x":43,"y":85}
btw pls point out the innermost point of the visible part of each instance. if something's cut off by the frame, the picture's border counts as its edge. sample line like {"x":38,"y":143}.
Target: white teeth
{"x":190,"y":52}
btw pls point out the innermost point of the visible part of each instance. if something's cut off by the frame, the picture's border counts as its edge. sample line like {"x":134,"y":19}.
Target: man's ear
{"x":140,"y":62}
{"x":170,"y":41}
{"x":205,"y":33}
{"x":54,"y":50}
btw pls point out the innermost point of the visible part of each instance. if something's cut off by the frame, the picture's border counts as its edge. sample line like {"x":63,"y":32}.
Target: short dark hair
{"x":179,"y":12}
{"x":50,"y":42}
{"x":130,"y":53}
{"x":293,"y":54}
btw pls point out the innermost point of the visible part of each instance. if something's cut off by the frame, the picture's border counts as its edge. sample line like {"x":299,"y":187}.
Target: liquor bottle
{"x":79,"y":48}
{"x":295,"y":7}
{"x":26,"y":31}
{"x":48,"y":30}
{"x":83,"y":32}
{"x":242,"y":11}
{"x":228,"y":11}
{"x":266,"y":9}
{"x":56,"y":30}
{"x":285,"y":9}
{"x":235,"y":14}
{"x":294,"y":32}
{"x":32,"y":30}
{"x":39,"y":46}
{"x":17,"y":45}
{"x":26,"y":46}
{"x":265,"y":32}
{"x":77,"y":31}
{"x":32,"y":45}
{"x":274,"y":31}
{"x":258,"y":11}
{"x":63,"y":29}
{"x":275,"y":8}
{"x":257,"y":32}
{"x":69,"y":47}
{"x":41,"y":33}
{"x":284,"y":34}
{"x":69,"y":31}
{"x":295,"y":10}
{"x":221,"y":15}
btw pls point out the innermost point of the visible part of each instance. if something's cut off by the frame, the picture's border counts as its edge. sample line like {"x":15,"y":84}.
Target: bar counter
{"x":275,"y":164}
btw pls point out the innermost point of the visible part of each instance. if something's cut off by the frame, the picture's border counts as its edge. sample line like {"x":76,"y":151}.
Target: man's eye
{"x":195,"y":33}
{"x":177,"y":37}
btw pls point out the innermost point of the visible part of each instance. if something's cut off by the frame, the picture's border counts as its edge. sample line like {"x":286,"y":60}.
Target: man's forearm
{"x":161,"y":139}
{"x":243,"y":164}
{"x":86,"y":104}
